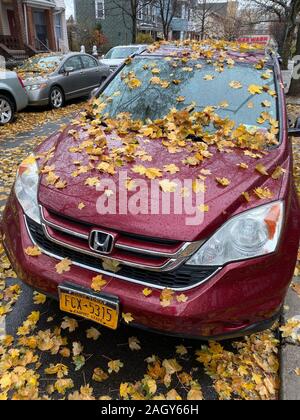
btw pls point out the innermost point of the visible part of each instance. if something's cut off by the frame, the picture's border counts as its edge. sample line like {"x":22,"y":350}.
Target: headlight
{"x":251,"y":234}
{"x":36,"y":87}
{"x":26,"y":188}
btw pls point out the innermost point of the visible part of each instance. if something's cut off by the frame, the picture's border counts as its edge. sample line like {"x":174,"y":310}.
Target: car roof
{"x":131,"y":46}
{"x":246,"y":53}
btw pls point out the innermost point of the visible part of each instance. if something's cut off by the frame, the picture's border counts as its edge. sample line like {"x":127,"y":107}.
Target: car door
{"x":73,"y":82}
{"x":94,"y":73}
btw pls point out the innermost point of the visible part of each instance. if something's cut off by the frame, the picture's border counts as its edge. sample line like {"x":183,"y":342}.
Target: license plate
{"x":100,"y":308}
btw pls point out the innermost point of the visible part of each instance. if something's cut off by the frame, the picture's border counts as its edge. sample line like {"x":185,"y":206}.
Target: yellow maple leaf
{"x":64,"y":266}
{"x":92,"y":182}
{"x":261,"y":169}
{"x":147,"y":292}
{"x":111,"y":265}
{"x":115,"y":366}
{"x":255,"y":89}
{"x":208,"y":77}
{"x":139,"y":169}
{"x":69,"y":324}
{"x":235,"y":84}
{"x":246,"y":196}
{"x":128,"y":318}
{"x":99,"y":375}
{"x":243,"y":165}
{"x":195,"y":394}
{"x":93,"y":333}
{"x":172,"y":169}
{"x":223,"y":181}
{"x":168,"y":186}
{"x":182,"y":298}
{"x":125,"y":390}
{"x":181,"y":350}
{"x":98,"y":283}
{"x":155,"y":80}
{"x":278,"y":173}
{"x":134,"y":83}
{"x":81,"y":206}
{"x":39,"y":299}
{"x":134,"y":344}
{"x":33,"y":251}
{"x":180,"y":99}
{"x":263,"y":193}
{"x":203,"y":208}
{"x":153,"y":173}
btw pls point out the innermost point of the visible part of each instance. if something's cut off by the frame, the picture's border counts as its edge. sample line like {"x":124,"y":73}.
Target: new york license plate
{"x":100,"y":308}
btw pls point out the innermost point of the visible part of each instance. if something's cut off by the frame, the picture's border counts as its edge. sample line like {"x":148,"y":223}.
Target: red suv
{"x":169,"y":202}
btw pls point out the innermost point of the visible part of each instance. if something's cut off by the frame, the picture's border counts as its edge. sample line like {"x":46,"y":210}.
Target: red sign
{"x":256,"y":39}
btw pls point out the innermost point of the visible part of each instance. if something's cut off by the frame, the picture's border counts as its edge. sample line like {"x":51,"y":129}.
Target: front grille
{"x":182,"y":277}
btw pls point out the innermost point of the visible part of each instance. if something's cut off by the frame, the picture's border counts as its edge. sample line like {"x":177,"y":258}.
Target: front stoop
{"x":290,"y":352}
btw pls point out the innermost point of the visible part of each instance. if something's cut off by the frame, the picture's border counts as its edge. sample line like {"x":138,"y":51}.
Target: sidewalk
{"x":290,"y":349}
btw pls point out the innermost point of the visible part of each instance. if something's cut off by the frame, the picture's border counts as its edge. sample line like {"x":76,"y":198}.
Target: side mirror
{"x":68,"y":70}
{"x":295,"y":131}
{"x":94,"y":92}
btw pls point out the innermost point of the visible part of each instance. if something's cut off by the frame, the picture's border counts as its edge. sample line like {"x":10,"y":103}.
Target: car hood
{"x":223,"y":202}
{"x":112,"y":62}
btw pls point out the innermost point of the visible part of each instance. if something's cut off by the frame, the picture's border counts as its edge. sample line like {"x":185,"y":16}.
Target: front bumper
{"x":38,"y":97}
{"x":242,"y":298}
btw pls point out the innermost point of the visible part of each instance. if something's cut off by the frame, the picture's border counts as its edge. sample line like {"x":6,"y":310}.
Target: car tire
{"x":56,"y":98}
{"x":7,"y":109}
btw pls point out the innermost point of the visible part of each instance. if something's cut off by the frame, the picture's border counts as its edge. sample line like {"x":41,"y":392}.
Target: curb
{"x":290,"y":352}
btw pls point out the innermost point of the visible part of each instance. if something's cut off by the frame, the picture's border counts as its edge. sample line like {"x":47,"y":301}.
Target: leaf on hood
{"x":33,"y":251}
{"x":64,"y":266}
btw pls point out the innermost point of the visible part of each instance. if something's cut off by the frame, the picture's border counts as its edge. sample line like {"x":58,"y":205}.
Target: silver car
{"x":117,"y":55}
{"x":13,"y":96}
{"x":52,"y":79}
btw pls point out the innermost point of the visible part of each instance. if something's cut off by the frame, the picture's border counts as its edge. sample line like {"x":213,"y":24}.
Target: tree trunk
{"x":134,"y":29}
{"x":290,"y":32}
{"x":295,"y":85}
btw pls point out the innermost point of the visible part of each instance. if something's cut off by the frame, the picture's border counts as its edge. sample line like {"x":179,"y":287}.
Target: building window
{"x":100,"y":9}
{"x":58,"y":28}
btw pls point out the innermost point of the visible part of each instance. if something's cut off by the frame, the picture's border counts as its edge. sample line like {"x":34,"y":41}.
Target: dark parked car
{"x":52,"y":79}
{"x":209,"y":114}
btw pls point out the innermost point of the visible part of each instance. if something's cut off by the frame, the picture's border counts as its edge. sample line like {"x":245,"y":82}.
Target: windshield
{"x":150,"y":88}
{"x":46,"y":64}
{"x":121,"y":52}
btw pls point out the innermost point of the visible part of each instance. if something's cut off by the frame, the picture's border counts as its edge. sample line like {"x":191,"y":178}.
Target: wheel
{"x":57,"y":98}
{"x":7,"y":110}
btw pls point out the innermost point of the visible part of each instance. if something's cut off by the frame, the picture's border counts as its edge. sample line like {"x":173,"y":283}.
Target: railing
{"x":40,"y":46}
{"x":11,"y":42}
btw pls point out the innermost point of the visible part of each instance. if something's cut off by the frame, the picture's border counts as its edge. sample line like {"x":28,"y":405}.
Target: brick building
{"x":30,"y":26}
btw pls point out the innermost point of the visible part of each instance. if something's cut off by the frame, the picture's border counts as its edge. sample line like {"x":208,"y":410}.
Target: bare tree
{"x":167,"y":10}
{"x":286,"y":12}
{"x":131,"y":10}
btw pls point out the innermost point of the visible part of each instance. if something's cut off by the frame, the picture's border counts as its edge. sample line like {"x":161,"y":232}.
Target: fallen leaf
{"x":64,"y":266}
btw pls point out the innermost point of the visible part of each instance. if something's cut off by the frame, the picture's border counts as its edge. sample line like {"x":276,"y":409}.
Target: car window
{"x":120,"y":53}
{"x":42,"y":64}
{"x":74,"y":62}
{"x":149,"y":89}
{"x":89,"y":62}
